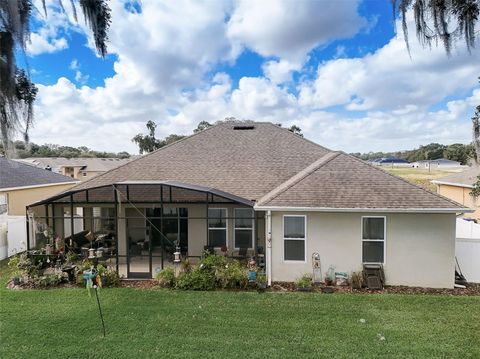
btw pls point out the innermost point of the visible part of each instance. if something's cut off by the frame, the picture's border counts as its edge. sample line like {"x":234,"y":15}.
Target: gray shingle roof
{"x":15,"y":174}
{"x":87,"y":164}
{"x":246,"y":163}
{"x":345,"y":182}
{"x":463,"y":179}
{"x":274,"y":167}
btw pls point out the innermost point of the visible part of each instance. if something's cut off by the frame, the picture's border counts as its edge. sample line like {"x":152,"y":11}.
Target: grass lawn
{"x":64,"y":323}
{"x":418,"y":176}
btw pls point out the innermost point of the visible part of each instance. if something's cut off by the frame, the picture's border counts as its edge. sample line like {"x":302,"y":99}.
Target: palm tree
{"x":17,"y":92}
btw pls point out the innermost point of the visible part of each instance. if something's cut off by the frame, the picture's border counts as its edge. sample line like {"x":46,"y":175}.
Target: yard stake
{"x":100,"y":310}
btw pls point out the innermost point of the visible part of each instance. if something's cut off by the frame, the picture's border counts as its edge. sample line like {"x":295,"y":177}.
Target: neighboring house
{"x":257,"y":188}
{"x":20,"y":184}
{"x":390,"y":161}
{"x":458,"y":186}
{"x":79,"y":168}
{"x":439,"y":164}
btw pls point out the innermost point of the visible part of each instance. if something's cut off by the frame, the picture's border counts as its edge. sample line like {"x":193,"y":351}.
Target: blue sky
{"x":338,"y":70}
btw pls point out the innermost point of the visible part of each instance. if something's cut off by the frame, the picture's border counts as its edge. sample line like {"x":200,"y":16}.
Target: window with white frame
{"x":373,"y":239}
{"x":243,"y":233}
{"x":217,"y":227}
{"x":294,"y":238}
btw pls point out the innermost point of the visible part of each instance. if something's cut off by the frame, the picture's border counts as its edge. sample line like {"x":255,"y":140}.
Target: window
{"x":243,"y":228}
{"x":294,"y":238}
{"x":217,"y":227}
{"x":84,"y":174}
{"x":373,"y":239}
{"x":3,"y":203}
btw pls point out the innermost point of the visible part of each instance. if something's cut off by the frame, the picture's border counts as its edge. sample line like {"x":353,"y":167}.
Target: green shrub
{"x":46,"y":281}
{"x":304,"y":282}
{"x":232,"y":275}
{"x":112,"y":279}
{"x":166,"y":278}
{"x":198,"y":278}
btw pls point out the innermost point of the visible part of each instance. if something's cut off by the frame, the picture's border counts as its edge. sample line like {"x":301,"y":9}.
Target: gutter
{"x":367,"y":210}
{"x":268,"y":236}
{"x":39,"y":186}
{"x":452,"y":184}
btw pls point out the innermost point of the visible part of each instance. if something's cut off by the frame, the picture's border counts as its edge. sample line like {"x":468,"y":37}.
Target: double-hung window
{"x":294,"y":238}
{"x":217,"y":227}
{"x":243,"y":228}
{"x":3,"y":203}
{"x":373,"y":239}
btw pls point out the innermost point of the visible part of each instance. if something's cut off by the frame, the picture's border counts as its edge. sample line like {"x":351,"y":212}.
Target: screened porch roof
{"x":145,"y":192}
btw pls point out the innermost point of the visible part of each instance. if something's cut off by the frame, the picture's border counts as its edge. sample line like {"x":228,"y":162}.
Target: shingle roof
{"x":87,"y":164}
{"x":14,"y":174}
{"x":345,"y":182}
{"x":274,"y":167}
{"x":246,"y":163}
{"x":463,"y":179}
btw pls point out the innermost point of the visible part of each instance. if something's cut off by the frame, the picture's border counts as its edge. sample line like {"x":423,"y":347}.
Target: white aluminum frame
{"x":294,"y":239}
{"x":384,"y":240}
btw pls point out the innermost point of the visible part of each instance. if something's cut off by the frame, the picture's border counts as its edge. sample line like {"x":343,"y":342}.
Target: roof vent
{"x":243,"y":127}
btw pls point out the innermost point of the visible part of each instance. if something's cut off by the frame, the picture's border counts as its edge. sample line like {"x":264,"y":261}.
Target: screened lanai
{"x":137,"y":226}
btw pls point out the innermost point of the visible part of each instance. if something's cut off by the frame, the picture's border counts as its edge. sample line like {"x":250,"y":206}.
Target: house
{"x":438,"y":164}
{"x":20,"y":184}
{"x":259,"y":189}
{"x":390,"y":161}
{"x":457,"y":186}
{"x":79,"y":168}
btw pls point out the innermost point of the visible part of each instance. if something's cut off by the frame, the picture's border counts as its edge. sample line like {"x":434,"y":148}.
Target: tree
{"x":17,"y":92}
{"x":476,"y":132}
{"x":294,"y":128}
{"x":203,"y":125}
{"x":147,"y":143}
{"x":441,"y":21}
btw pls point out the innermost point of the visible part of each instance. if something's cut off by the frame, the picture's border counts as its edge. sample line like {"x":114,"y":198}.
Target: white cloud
{"x":290,"y":29}
{"x":39,"y":45}
{"x":389,"y":78}
{"x":164,"y":73}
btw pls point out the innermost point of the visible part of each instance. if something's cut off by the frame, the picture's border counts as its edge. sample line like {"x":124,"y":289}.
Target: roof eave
{"x":455,"y":184}
{"x":367,"y":210}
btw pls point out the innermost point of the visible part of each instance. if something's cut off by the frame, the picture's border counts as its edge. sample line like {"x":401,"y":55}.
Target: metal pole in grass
{"x":92,"y":281}
{"x":100,"y":310}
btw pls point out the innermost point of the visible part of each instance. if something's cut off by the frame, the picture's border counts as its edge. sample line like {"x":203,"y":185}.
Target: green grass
{"x":64,"y":323}
{"x":419,"y":176}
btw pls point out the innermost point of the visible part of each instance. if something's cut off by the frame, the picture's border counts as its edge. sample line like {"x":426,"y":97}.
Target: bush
{"x":46,"y":281}
{"x":232,"y":275}
{"x":166,"y":278}
{"x":111,"y":278}
{"x":304,"y":282}
{"x":198,"y":278}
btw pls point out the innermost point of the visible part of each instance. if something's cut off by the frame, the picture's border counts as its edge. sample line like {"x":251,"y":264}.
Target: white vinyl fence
{"x":467,"y":249}
{"x":13,"y":235}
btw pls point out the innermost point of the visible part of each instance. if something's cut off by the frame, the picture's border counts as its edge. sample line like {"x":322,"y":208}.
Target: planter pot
{"x":261,"y":287}
{"x":16,"y":280}
{"x":356,"y":286}
{"x":328,"y":290}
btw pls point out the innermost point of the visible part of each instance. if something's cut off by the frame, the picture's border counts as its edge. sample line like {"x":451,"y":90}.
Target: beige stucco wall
{"x":460,"y":195}
{"x":420,"y":248}
{"x":20,"y":198}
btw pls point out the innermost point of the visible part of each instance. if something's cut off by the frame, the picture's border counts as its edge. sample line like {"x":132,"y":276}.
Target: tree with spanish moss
{"x":17,"y":92}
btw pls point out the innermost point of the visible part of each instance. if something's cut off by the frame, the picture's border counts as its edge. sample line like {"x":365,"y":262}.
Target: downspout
{"x":268,"y":229}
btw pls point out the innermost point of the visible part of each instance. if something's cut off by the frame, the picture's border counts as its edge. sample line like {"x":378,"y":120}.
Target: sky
{"x":337,"y":69}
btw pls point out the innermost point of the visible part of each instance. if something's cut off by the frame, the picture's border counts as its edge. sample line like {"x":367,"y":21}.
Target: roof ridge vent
{"x":245,"y":126}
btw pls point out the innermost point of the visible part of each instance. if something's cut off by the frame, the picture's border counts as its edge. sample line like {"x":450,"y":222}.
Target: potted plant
{"x":304,"y":284}
{"x":261,"y":283}
{"x":357,"y":280}
{"x":13,"y":265}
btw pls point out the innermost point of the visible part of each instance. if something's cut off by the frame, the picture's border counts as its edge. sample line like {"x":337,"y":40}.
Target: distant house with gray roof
{"x":81,"y":168}
{"x":20,"y":184}
{"x":255,"y":188}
